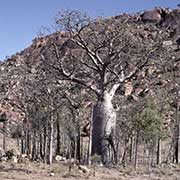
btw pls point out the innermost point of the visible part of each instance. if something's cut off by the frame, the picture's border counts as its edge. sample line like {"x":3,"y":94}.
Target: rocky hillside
{"x":24,"y":69}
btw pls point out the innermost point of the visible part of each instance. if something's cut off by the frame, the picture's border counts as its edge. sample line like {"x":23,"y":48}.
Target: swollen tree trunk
{"x":104,"y":121}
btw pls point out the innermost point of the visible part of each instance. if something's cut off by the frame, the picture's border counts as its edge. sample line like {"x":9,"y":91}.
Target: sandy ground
{"x":38,"y":171}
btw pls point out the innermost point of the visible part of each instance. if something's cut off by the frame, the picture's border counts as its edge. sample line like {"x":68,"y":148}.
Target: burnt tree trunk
{"x":104,"y":121}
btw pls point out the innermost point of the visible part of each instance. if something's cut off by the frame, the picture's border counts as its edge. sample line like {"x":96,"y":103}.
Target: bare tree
{"x":100,"y":56}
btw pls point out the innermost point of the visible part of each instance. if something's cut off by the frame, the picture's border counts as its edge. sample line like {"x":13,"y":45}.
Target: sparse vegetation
{"x":103,"y":93}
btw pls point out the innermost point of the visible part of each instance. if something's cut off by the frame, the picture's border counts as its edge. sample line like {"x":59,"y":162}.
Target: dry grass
{"x":39,"y":171}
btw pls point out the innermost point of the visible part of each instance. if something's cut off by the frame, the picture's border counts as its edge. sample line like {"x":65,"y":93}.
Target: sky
{"x":22,"y":20}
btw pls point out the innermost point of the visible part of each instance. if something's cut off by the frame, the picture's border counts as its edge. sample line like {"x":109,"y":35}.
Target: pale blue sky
{"x":21,"y":20}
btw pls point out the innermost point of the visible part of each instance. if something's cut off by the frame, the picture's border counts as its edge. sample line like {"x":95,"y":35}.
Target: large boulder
{"x":151,"y":16}
{"x":59,"y":158}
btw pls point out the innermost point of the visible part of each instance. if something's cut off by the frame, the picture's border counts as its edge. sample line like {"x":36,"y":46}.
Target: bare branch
{"x":70,"y":76}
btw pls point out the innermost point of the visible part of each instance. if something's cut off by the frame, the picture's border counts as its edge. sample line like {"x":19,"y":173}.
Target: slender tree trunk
{"x":29,"y":144}
{"x":125,"y":152}
{"x":136,"y":152}
{"x":177,"y":129}
{"x":131,"y":149}
{"x":78,"y":147}
{"x":22,"y":145}
{"x":34,"y":148}
{"x":149,"y":161}
{"x":26,"y":142}
{"x":82,"y":148}
{"x":51,"y":139}
{"x":104,"y":121}
{"x":41,"y":146}
{"x":4,"y":136}
{"x":159,"y":151}
{"x":78,"y":144}
{"x":18,"y":144}
{"x":90,"y":141}
{"x":45,"y":144}
{"x":150,"y":158}
{"x":118,"y":151}
{"x":176,"y":155}
{"x":58,"y":148}
{"x":4,"y":143}
{"x":69,"y":156}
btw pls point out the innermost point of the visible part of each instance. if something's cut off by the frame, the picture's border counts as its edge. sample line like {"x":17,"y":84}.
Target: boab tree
{"x":100,"y":56}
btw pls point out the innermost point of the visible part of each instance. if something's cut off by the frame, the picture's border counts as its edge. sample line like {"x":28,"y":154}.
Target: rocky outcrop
{"x":164,"y":17}
{"x":172,"y":19}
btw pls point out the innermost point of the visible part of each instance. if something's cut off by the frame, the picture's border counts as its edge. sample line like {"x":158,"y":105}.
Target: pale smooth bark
{"x":104,"y":122}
